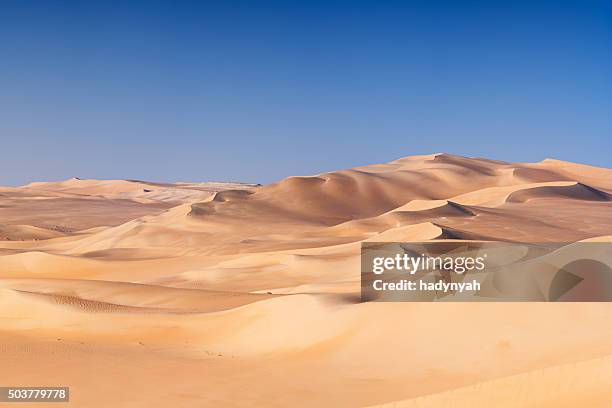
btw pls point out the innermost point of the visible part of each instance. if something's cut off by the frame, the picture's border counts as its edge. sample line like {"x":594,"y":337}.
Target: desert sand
{"x":140,"y":294}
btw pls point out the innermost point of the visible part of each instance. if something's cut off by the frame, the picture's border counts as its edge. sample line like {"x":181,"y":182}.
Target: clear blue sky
{"x":256,"y":91}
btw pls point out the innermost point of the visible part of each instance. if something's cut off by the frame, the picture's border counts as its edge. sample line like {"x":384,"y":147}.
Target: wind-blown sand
{"x":208,"y":294}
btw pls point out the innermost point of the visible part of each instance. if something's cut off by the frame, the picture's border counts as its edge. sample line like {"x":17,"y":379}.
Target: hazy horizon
{"x":196,"y":180}
{"x":255,"y":93}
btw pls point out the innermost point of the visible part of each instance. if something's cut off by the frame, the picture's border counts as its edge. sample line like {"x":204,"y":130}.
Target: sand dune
{"x":27,"y":233}
{"x":137,"y":190}
{"x":105,"y":296}
{"x":496,"y":196}
{"x":586,"y":383}
{"x":75,"y":205}
{"x":192,"y":294}
{"x":574,"y":191}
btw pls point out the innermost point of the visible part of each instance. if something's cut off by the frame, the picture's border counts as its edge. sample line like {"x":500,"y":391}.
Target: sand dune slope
{"x":578,"y":384}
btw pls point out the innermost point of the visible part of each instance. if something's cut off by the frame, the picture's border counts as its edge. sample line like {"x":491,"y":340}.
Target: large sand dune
{"x":208,"y":294}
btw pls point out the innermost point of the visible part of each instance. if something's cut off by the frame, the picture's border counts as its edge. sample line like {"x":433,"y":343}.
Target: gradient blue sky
{"x":256,"y":91}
